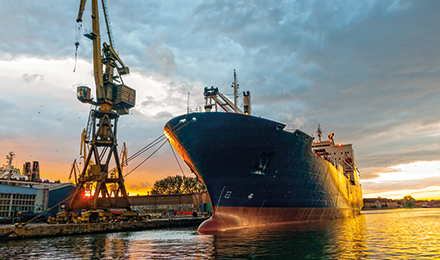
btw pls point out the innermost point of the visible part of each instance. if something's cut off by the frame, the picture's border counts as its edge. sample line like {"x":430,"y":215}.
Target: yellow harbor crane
{"x":100,"y":184}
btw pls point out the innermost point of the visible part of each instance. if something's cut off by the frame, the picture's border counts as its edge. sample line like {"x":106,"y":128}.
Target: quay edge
{"x":10,"y":232}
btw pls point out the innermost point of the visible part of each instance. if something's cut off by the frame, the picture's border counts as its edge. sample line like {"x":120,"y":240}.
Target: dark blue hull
{"x":252,"y":163}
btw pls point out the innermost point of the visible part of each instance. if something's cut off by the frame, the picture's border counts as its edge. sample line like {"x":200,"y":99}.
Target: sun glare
{"x":421,"y":172}
{"x":412,"y":171}
{"x":426,"y":193}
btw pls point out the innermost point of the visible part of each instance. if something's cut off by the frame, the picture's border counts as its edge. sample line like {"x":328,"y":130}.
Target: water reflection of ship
{"x":338,"y":239}
{"x":257,"y":172}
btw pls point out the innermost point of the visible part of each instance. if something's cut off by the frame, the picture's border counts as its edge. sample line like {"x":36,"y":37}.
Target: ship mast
{"x":10,"y":157}
{"x":213,"y":95}
{"x":319,"y":132}
{"x":235,"y":86}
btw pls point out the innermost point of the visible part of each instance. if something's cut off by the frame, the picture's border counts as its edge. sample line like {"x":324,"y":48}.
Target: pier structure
{"x":11,"y":232}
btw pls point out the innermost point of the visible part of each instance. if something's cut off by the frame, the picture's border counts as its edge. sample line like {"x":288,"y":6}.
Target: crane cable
{"x":175,"y":157}
{"x":77,"y":33}
{"x":146,"y":148}
{"x":150,"y":145}
{"x":142,"y":150}
{"x":153,"y":143}
{"x":164,"y":142}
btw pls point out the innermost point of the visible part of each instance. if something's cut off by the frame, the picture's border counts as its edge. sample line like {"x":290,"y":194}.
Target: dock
{"x":40,"y":230}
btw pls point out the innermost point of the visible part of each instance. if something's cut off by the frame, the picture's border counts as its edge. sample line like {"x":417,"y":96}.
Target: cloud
{"x":417,"y":178}
{"x":161,"y":56}
{"x":295,"y":122}
{"x":140,"y":185}
{"x":366,"y":71}
{"x":401,"y":185}
{"x":33,"y":77}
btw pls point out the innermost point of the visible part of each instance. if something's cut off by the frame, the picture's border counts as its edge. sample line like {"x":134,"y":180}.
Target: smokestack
{"x":247,"y":102}
{"x":27,"y":169}
{"x":35,"y":171}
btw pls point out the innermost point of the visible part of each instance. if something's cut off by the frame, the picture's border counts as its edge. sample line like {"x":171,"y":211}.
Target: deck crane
{"x":97,"y":188}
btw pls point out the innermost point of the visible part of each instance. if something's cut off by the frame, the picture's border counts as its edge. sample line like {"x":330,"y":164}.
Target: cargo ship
{"x":257,"y":172}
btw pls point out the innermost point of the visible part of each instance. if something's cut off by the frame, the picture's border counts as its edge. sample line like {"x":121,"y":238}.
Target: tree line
{"x":177,"y":184}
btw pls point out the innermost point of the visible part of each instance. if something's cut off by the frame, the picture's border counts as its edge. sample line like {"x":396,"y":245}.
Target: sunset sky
{"x":368,"y":71}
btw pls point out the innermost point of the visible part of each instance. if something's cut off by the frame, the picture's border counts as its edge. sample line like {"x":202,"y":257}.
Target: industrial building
{"x":29,"y":196}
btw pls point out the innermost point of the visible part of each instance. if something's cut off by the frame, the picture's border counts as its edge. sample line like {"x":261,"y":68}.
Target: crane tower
{"x":101,"y":184}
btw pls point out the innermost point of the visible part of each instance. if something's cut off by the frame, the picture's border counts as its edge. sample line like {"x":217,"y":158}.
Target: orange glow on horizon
{"x":160,"y":166}
{"x":418,"y":172}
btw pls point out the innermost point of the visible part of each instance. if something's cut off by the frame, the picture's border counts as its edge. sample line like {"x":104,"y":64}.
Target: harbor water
{"x":376,"y":234}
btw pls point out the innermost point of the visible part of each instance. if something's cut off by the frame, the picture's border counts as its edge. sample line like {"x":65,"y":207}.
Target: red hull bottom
{"x":236,"y":217}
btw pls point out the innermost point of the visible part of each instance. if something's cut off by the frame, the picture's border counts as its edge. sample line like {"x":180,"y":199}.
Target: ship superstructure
{"x":30,"y":172}
{"x":8,"y":171}
{"x":340,"y":155}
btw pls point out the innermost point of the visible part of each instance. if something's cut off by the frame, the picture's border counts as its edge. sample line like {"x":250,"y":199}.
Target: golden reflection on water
{"x":344,"y":238}
{"x":379,"y":234}
{"x":404,"y":233}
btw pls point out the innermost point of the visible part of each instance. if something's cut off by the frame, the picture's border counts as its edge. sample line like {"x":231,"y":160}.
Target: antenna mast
{"x":235,"y":86}
{"x":319,"y":132}
{"x":187,"y":105}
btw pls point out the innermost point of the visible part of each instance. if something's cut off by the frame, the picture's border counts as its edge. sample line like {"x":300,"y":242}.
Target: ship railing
{"x":195,"y":109}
